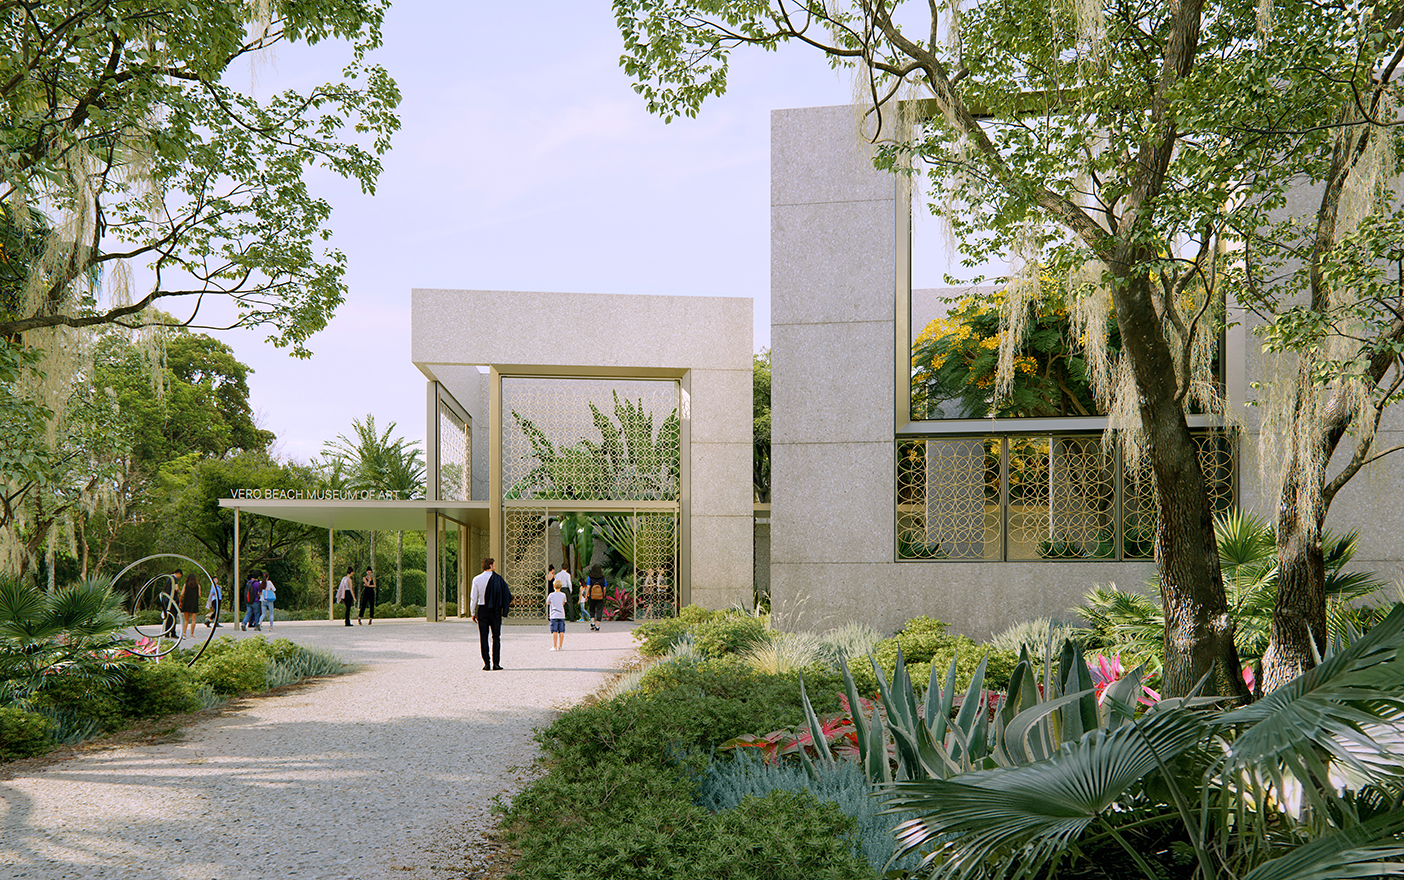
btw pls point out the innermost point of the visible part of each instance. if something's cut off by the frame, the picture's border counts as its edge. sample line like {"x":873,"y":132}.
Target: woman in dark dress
{"x":189,"y":605}
{"x":367,"y":597}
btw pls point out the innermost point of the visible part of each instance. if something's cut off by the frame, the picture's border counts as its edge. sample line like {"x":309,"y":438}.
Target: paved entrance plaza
{"x":386,"y":772}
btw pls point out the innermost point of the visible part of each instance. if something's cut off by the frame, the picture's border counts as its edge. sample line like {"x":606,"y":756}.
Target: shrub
{"x":1034,"y":634}
{"x":304,"y":663}
{"x":727,"y":784}
{"x":232,"y":666}
{"x":80,"y":702}
{"x":656,"y":637}
{"x":729,"y":634}
{"x":411,"y":587}
{"x":23,"y":733}
{"x":924,"y":642}
{"x":154,"y":689}
{"x":853,"y":641}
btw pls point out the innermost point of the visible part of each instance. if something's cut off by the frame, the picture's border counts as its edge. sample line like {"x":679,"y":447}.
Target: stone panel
{"x":833,"y":383}
{"x":832,"y":262}
{"x":824,"y":158}
{"x":722,"y":560}
{"x":832,"y":502}
{"x":721,"y":406}
{"x":976,"y":599}
{"x":509,"y":327}
{"x":718,"y":487}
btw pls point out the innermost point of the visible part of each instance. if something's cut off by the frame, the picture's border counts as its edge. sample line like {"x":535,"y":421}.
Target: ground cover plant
{"x":1072,"y":766}
{"x":642,"y":782}
{"x":65,"y":676}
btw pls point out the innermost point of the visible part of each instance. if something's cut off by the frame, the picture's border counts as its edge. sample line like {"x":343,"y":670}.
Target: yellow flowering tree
{"x":955,"y":361}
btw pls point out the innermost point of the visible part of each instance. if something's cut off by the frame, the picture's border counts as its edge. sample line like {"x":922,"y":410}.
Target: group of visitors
{"x":346,"y":595}
{"x":259,"y":596}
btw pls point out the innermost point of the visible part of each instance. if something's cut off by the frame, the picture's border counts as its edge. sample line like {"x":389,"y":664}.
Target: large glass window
{"x":1019,"y":497}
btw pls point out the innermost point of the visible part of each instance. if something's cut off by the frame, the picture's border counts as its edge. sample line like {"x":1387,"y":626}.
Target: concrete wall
{"x":833,"y":308}
{"x":705,"y":342}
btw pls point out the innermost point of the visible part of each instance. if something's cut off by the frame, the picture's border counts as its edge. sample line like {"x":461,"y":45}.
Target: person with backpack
{"x":253,"y":598}
{"x":490,"y":598}
{"x":595,"y":586}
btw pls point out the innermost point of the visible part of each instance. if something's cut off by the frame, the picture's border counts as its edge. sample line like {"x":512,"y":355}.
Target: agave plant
{"x":70,"y":631}
{"x":1305,"y":783}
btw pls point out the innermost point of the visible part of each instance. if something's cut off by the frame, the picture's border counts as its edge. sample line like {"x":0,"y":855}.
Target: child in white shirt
{"x":556,"y":605}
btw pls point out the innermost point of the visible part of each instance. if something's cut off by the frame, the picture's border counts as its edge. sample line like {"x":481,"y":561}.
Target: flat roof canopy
{"x":385,"y":516}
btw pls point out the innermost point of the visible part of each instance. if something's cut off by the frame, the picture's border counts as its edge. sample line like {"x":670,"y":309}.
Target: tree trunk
{"x":1299,"y":613}
{"x":1199,"y":633}
{"x":399,"y":566}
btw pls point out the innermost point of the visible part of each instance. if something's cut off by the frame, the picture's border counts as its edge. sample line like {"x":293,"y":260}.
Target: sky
{"x":524,"y":161}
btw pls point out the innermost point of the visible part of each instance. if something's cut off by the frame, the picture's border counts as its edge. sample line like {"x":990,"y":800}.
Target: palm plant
{"x":1134,"y":624}
{"x":379,"y":462}
{"x":71,"y":630}
{"x":1307,"y":783}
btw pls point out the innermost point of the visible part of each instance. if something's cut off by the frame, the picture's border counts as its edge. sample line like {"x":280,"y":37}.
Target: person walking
{"x":595,"y":585}
{"x":189,"y":605}
{"x":253,"y":598}
{"x":269,"y":596}
{"x":346,"y":592}
{"x":490,"y":597}
{"x":367,"y":597}
{"x":213,"y":603}
{"x":556,"y":614}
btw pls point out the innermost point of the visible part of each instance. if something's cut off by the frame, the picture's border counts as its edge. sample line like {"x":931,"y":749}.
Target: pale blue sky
{"x":526,"y":162}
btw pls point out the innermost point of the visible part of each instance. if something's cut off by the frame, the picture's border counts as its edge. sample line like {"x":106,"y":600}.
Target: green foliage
{"x":727,"y":785}
{"x":657,"y":637}
{"x":23,"y":733}
{"x":924,"y":643}
{"x":223,"y":167}
{"x":729,"y":633}
{"x":1037,"y":635}
{"x":628,"y":463}
{"x":1133,"y":625}
{"x":618,"y":800}
{"x":760,"y":425}
{"x":81,"y":698}
{"x":71,"y":628}
{"x":152,"y":689}
{"x":304,"y":663}
{"x":1264,"y":767}
{"x":955,"y":360}
{"x":412,"y":587}
{"x":235,"y":666}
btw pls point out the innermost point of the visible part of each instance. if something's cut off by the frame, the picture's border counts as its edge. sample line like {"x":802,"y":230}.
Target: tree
{"x":122,"y":125}
{"x":126,"y":145}
{"x":1131,"y":150}
{"x":197,"y":402}
{"x":382,"y":463}
{"x":760,"y":425}
{"x":191,"y":488}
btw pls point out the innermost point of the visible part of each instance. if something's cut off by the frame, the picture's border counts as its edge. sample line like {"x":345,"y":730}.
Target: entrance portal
{"x":636,"y":545}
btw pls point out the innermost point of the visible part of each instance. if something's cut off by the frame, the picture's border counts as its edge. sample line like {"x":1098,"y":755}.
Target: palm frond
{"x":1364,"y":850}
{"x":1030,"y":814}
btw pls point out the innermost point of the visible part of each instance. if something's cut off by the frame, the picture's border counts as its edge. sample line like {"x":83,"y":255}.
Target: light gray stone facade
{"x":702,"y":342}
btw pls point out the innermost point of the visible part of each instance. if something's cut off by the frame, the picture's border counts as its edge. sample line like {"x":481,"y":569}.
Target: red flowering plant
{"x":619,"y":605}
{"x":837,"y":732}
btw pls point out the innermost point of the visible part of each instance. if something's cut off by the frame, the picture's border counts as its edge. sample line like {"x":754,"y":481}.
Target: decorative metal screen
{"x":590,"y":439}
{"x":948,"y":506}
{"x":1019,"y":497}
{"x":524,"y":565}
{"x":655,"y":565}
{"x":455,"y":457}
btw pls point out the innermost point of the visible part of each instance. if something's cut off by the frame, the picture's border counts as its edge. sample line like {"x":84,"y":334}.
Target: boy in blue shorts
{"x":556,"y":612}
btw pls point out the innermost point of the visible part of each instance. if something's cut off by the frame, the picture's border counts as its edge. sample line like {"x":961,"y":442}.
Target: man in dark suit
{"x":489,"y":601}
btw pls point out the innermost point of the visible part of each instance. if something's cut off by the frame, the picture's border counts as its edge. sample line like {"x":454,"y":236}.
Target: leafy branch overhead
{"x":124,"y":127}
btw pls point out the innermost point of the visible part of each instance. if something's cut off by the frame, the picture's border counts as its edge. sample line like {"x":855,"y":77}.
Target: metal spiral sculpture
{"x":170,"y":606}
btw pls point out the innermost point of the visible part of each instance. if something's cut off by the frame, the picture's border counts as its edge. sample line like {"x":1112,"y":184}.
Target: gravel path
{"x":387,"y":772}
